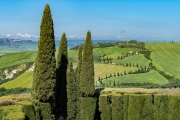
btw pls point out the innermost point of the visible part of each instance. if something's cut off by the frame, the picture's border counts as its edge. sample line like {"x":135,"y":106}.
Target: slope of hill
{"x":101,"y":70}
{"x":166,"y":57}
{"x":17,"y":58}
{"x":135,"y":59}
{"x":150,"y":77}
{"x":24,"y":81}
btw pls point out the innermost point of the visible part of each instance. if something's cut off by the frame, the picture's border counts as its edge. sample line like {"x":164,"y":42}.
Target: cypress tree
{"x":44,"y":76}
{"x":71,"y":93}
{"x":77,"y":72}
{"x":87,"y":68}
{"x":61,"y":92}
{"x":87,"y":101}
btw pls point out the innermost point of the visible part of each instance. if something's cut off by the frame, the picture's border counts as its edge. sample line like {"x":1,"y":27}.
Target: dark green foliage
{"x":87,"y":68}
{"x":105,"y":107}
{"x":161,"y":107}
{"x":140,"y":107}
{"x":62,"y":51}
{"x":28,"y":110}
{"x":45,"y":69}
{"x":46,"y":111}
{"x":4,"y":91}
{"x":77,"y":72}
{"x":62,"y":61}
{"x":78,"y":68}
{"x":71,"y":93}
{"x":117,"y":107}
{"x":88,"y":106}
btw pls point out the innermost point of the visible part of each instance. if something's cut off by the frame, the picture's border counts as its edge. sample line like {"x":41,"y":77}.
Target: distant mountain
{"x":9,"y":45}
{"x":11,"y":42}
{"x":16,"y":45}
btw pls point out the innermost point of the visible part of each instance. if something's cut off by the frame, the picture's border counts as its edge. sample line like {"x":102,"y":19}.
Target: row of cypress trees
{"x":57,"y":88}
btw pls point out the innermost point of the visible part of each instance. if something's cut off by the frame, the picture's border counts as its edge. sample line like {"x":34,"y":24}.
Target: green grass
{"x":101,"y":70}
{"x":150,"y":77}
{"x":166,"y":57}
{"x":24,"y":81}
{"x":17,"y":58}
{"x":140,"y":59}
{"x":112,"y":52}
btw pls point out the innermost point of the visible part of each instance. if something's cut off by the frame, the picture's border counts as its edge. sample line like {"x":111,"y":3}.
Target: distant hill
{"x":16,"y":45}
{"x":14,"y":42}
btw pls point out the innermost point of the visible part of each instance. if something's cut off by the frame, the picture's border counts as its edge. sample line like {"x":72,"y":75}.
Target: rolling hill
{"x":166,"y":57}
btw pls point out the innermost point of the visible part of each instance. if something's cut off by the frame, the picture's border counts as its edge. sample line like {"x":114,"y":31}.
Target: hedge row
{"x":139,"y":107}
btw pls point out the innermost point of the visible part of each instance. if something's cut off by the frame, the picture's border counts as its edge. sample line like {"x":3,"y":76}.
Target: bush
{"x":12,"y":112}
{"x":6,"y":103}
{"x":161,"y":107}
{"x":117,"y":107}
{"x":174,"y":107}
{"x":87,"y":108}
{"x":140,"y":107}
{"x":105,"y":107}
{"x":4,"y":91}
{"x":29,"y":111}
{"x":46,"y":111}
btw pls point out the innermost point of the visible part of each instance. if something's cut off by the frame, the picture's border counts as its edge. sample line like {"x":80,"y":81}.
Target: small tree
{"x":87,"y":68}
{"x":137,"y":65}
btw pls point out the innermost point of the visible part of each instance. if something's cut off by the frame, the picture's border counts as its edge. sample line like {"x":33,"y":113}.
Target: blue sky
{"x":106,"y":19}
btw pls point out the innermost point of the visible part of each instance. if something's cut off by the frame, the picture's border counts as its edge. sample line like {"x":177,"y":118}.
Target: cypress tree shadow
{"x":61,"y":91}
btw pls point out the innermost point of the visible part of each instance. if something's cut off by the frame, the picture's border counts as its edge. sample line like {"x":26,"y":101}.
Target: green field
{"x":24,"y":81}
{"x":101,"y":70}
{"x":140,"y":59}
{"x":166,"y":57}
{"x":112,"y":52}
{"x":150,"y":77}
{"x":17,"y":58}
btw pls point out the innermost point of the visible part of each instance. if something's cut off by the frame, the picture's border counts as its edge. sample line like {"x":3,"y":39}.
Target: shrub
{"x":87,"y":108}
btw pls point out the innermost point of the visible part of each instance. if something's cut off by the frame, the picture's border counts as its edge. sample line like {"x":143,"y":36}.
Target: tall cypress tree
{"x":62,"y":62}
{"x":71,"y":93}
{"x":77,"y":72}
{"x":44,"y":77}
{"x":87,"y":69}
{"x":87,"y":100}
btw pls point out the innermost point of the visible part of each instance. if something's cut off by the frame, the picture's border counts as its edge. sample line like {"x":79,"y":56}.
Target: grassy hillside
{"x":17,"y":58}
{"x":150,"y":77}
{"x":101,"y":70}
{"x":24,"y":81}
{"x":112,"y":52}
{"x":166,"y":57}
{"x":140,"y":59}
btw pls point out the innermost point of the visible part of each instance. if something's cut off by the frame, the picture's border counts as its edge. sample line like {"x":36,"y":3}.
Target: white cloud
{"x":8,"y":35}
{"x":20,"y":36}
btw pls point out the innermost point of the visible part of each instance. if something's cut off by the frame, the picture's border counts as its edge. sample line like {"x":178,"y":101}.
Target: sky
{"x":106,"y":19}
